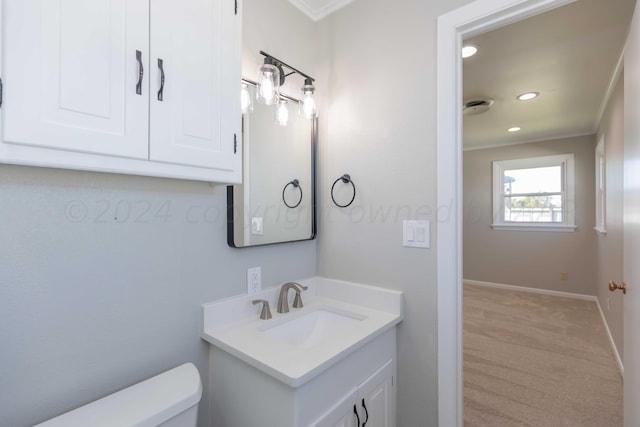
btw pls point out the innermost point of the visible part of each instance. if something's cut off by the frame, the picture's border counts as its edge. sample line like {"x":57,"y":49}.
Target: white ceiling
{"x":318,"y":9}
{"x":569,"y":55}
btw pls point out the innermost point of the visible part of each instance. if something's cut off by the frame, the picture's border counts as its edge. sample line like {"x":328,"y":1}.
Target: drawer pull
{"x":140,"y":72}
{"x":161,"y":90}
{"x":355,"y":411}
{"x":366,"y":413}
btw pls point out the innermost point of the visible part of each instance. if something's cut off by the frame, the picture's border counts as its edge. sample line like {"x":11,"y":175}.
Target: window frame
{"x":567,"y":164}
{"x":601,"y":187}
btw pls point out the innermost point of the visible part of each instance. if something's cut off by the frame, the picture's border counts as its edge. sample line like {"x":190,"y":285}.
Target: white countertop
{"x":233,"y":325}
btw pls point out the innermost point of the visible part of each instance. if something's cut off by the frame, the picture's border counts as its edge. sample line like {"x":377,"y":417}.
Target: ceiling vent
{"x":477,"y":105}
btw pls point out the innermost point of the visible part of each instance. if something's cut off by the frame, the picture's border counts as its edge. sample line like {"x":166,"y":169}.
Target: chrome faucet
{"x":283,"y":299}
{"x":265,"y":313}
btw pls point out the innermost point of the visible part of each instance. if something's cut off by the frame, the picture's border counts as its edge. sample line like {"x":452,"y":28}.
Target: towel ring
{"x":347,"y":180}
{"x":296,"y":184}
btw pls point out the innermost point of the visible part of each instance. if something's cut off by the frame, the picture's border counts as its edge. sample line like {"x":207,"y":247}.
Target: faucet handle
{"x":297,"y":301}
{"x":265,"y":313}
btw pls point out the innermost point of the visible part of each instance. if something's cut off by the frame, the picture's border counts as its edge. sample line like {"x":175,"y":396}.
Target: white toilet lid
{"x":148,"y":403}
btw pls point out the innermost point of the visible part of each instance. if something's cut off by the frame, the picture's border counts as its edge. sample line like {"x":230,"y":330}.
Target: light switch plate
{"x":416,"y":234}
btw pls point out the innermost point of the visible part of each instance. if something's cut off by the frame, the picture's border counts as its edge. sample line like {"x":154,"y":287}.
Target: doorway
{"x":468,"y":21}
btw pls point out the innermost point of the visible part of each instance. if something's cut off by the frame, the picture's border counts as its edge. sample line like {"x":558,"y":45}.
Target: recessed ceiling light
{"x":527,"y":96}
{"x":514,"y":129}
{"x":469,"y":50}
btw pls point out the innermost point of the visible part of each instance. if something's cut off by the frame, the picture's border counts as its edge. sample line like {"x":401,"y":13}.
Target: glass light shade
{"x":282,"y":112}
{"x":246,"y":101}
{"x":268,"y":82}
{"x":308,"y":106}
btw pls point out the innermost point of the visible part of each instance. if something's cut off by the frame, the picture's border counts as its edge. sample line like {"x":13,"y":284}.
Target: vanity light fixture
{"x":271,"y":76}
{"x":469,"y":50}
{"x":308,"y":106}
{"x":269,"y":80}
{"x":282,"y":112}
{"x":515,"y":129}
{"x":528,"y":96}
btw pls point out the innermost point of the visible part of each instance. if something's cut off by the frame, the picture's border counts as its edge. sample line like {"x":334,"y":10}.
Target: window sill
{"x":600,"y":230}
{"x":562,"y":228}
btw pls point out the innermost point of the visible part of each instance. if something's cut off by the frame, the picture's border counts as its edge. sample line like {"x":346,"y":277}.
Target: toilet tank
{"x":169,"y":399}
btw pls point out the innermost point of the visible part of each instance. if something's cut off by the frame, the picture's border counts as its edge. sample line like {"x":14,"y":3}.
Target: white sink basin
{"x":338,"y":318}
{"x":313,"y":328}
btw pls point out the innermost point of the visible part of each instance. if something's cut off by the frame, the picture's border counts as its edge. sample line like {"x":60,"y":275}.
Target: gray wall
{"x":94,"y":298}
{"x":380,"y":127}
{"x":529,"y":258}
{"x":609,"y":246}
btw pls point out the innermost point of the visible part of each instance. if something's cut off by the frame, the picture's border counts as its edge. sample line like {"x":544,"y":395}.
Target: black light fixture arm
{"x":278,"y":63}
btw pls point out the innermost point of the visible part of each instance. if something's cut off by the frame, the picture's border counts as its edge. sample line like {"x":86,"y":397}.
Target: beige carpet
{"x":537,"y":360}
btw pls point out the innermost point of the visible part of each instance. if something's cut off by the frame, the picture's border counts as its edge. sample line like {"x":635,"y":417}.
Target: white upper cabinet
{"x":190,"y":120}
{"x":84,"y":88}
{"x":69,"y":75}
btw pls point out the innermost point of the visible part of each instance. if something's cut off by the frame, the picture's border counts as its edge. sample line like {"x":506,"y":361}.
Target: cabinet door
{"x":194,"y":121}
{"x":70,"y":75}
{"x":341,"y":414}
{"x":377,"y":398}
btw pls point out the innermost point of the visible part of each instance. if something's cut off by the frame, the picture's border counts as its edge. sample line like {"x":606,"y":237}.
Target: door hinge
{"x":0,"y":92}
{"x":235,"y":143}
{"x":236,"y":7}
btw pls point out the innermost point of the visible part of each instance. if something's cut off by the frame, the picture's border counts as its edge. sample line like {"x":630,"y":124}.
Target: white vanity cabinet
{"x":372,"y":403}
{"x":241,"y":395}
{"x":146,"y":87}
{"x":330,"y":363}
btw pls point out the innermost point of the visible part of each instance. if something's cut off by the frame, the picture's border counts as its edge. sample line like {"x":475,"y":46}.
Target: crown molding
{"x":317,"y":13}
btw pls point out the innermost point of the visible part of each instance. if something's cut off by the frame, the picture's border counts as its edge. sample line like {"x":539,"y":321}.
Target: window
{"x":534,"y":194}
{"x":601,"y":205}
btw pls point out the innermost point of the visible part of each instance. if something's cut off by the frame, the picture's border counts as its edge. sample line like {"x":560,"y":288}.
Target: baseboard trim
{"x":611,"y":341}
{"x":616,"y":354}
{"x":530,"y":290}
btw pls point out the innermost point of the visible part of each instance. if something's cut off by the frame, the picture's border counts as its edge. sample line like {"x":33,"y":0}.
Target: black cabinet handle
{"x":355,"y":411}
{"x":161,"y":90}
{"x":140,"y":72}
{"x":366,"y":413}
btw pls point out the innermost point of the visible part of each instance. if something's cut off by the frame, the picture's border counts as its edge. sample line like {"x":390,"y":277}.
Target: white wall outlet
{"x":254,"y":280}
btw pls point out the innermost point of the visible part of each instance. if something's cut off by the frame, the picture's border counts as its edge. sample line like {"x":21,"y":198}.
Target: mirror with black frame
{"x":276,"y":202}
